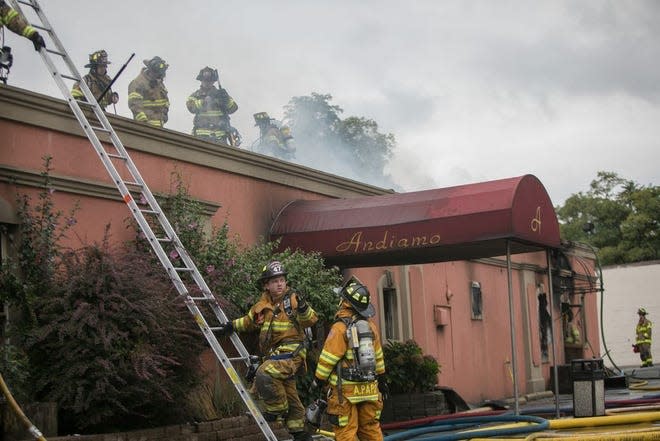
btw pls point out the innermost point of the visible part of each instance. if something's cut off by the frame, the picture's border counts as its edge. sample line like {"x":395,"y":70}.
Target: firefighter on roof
{"x":16,"y":23}
{"x":147,"y":95}
{"x":351,"y":362}
{"x":280,"y":316}
{"x":274,"y":140}
{"x":97,"y":80}
{"x":212,"y":107}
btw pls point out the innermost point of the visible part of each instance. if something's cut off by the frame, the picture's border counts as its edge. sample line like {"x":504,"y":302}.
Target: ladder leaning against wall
{"x":130,"y":184}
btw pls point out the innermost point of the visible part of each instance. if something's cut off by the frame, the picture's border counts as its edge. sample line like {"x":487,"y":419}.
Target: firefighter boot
{"x":301,"y":436}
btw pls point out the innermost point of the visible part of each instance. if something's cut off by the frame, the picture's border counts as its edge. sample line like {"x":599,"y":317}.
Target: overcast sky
{"x":472,"y":90}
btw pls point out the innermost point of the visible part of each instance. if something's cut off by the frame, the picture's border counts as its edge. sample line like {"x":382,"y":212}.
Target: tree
{"x":617,"y":216}
{"x":352,"y":147}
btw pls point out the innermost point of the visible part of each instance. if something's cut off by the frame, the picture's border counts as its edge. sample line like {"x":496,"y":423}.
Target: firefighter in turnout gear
{"x":352,"y":362}
{"x":274,"y":140}
{"x":280,"y":316}
{"x":147,"y":95}
{"x":97,"y":80}
{"x":643,"y":340}
{"x":16,"y":23}
{"x":212,"y":107}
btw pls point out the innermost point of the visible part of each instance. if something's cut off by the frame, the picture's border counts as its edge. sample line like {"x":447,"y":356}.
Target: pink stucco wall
{"x":475,"y":355}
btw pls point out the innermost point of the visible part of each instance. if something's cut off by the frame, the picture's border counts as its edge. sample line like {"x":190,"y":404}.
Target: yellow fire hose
{"x":16,"y":408}
{"x":615,"y":434}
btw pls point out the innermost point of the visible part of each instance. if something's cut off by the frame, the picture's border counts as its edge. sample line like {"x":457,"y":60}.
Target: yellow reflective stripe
{"x":28,"y":30}
{"x":277,"y":407}
{"x":10,"y":16}
{"x":273,"y":372}
{"x":343,"y":420}
{"x":134,"y":96}
{"x":155,"y":122}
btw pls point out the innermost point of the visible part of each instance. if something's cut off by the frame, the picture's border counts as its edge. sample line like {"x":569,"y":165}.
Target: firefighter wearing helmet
{"x":643,"y":338}
{"x":212,"y":107}
{"x":147,"y":94}
{"x":279,"y":316}
{"x":274,"y":139}
{"x":351,"y":365}
{"x":97,"y":80}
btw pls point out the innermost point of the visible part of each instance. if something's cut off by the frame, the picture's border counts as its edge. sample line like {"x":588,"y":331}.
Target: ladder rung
{"x":112,"y":155}
{"x":150,"y":211}
{"x":100,"y":129}
{"x":137,"y":184}
{"x":163,"y":239}
{"x":203,"y":299}
{"x":85,"y":103}
{"x":183,"y":269}
{"x":69,"y":77}
{"x":41,"y":27}
{"x":61,"y":54}
{"x":235,"y":358}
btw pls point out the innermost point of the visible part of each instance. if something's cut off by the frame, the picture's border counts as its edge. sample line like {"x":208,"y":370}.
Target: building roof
{"x":454,"y":223}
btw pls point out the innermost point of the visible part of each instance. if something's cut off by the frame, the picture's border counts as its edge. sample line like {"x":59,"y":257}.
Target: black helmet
{"x":358,"y":296}
{"x":273,"y":269}
{"x":98,"y":58}
{"x":208,"y":74}
{"x":156,"y":65}
{"x":261,"y":118}
{"x":642,"y":311}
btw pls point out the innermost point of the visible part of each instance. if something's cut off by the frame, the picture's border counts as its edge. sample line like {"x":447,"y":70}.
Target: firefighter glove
{"x":302,"y":304}
{"x":38,"y":41}
{"x":320,"y":385}
{"x":383,"y":387}
{"x":225,"y":329}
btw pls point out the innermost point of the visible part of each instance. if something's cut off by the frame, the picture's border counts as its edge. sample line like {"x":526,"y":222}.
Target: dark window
{"x":476,"y":301}
{"x":391,"y":309}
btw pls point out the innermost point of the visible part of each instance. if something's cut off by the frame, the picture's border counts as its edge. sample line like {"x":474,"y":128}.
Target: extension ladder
{"x":117,"y":156}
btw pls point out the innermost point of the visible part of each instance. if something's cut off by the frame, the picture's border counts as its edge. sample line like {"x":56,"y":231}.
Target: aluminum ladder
{"x":129,"y":182}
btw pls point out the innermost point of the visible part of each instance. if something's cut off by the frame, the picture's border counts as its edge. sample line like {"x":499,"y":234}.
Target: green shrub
{"x":407,"y":369}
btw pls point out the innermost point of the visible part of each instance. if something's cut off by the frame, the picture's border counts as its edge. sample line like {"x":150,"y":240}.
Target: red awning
{"x":455,"y":223}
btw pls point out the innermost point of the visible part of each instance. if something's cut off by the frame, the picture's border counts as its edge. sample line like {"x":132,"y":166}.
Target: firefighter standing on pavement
{"x":351,"y":362}
{"x":212,"y":107}
{"x":147,"y":95}
{"x":643,"y":340}
{"x":97,"y":80}
{"x":280,"y":316}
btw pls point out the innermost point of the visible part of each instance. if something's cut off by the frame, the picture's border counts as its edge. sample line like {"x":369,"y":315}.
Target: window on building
{"x":391,"y":310}
{"x":476,"y":301}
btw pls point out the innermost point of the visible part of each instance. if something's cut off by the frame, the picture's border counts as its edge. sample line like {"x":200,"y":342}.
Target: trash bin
{"x":588,"y":378}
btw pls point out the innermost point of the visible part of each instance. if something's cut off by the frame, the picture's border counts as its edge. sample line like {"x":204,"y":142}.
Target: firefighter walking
{"x":280,"y":316}
{"x":351,"y":362}
{"x":147,"y":94}
{"x":643,"y":338}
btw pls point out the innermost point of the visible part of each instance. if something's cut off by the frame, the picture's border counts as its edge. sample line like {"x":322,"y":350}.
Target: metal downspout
{"x":555,"y":374}
{"x":514,"y":364}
